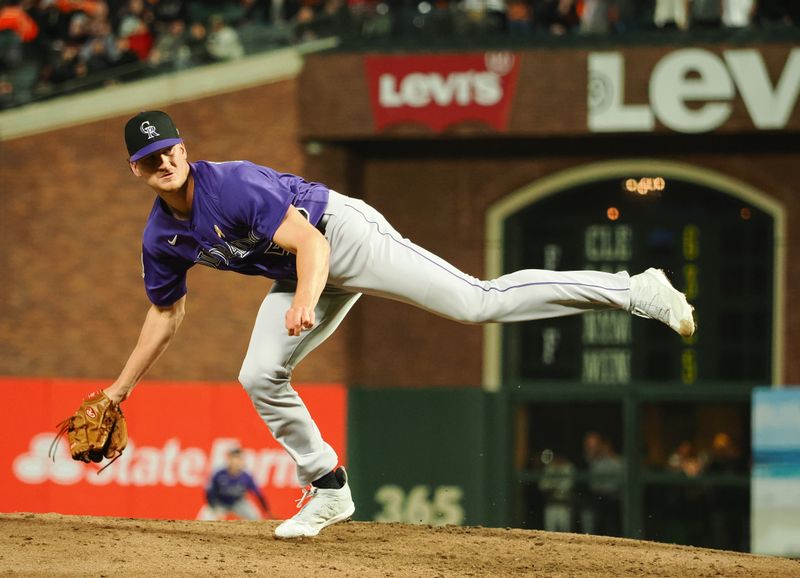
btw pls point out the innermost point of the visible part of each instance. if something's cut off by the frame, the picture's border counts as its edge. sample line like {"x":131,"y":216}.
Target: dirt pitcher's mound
{"x":51,"y":544}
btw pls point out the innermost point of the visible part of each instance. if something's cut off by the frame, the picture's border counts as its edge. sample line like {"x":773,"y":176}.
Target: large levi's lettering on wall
{"x":692,"y":91}
{"x":441,"y":90}
{"x":179,"y":433}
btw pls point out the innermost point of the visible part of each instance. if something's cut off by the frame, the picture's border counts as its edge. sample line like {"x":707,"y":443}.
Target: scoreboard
{"x":715,"y":247}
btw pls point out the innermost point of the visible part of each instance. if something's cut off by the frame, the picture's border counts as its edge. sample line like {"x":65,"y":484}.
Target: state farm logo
{"x":167,"y":465}
{"x":442,"y":90}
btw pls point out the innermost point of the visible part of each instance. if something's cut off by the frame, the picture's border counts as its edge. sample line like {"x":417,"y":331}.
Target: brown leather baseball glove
{"x":95,"y":431}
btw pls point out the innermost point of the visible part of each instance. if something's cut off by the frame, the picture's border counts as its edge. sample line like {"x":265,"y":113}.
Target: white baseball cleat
{"x":654,"y":297}
{"x":322,"y":508}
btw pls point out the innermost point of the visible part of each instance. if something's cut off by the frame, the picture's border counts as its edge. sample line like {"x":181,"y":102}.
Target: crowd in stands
{"x":685,"y":513}
{"x":55,"y":46}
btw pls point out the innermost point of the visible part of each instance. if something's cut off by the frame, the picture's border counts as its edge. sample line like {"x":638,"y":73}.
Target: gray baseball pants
{"x":369,"y":256}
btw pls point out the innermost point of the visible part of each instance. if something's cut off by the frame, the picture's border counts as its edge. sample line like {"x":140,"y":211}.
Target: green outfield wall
{"x":428,"y":456}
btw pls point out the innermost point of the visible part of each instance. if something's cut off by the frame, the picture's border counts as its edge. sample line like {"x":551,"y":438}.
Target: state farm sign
{"x":441,"y":90}
{"x":168,"y":464}
{"x":180,"y":433}
{"x":691,"y":91}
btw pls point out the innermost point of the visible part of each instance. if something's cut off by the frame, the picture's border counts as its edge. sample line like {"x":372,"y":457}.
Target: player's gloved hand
{"x":96,"y":430}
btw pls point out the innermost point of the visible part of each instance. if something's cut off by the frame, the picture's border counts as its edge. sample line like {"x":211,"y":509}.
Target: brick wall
{"x":73,"y":299}
{"x":72,"y":295}
{"x":441,"y":204}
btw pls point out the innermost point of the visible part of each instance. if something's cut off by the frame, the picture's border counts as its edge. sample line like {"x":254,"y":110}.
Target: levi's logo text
{"x":148,"y":129}
{"x":442,"y":90}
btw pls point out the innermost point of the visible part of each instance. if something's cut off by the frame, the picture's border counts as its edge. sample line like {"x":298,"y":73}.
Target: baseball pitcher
{"x":323,"y":250}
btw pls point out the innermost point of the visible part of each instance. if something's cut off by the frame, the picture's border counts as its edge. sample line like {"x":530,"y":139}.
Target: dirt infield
{"x":55,"y":545}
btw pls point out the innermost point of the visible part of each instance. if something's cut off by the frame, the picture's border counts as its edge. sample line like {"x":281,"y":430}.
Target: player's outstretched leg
{"x":654,"y":297}
{"x":320,"y":507}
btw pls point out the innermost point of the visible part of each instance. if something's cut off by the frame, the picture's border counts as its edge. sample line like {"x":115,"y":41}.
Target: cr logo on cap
{"x":148,"y":129}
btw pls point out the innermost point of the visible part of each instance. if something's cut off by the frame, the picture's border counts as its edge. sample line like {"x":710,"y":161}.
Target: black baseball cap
{"x":148,"y":132}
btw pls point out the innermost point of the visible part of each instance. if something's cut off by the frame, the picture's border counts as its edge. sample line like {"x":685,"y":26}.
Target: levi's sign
{"x":441,"y":90}
{"x":691,"y":91}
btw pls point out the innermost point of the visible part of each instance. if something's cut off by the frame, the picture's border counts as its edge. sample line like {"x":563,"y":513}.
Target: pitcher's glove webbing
{"x":95,"y":431}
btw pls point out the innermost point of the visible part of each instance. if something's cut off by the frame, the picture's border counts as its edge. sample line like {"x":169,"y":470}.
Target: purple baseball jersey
{"x":236,"y":209}
{"x":227,"y":489}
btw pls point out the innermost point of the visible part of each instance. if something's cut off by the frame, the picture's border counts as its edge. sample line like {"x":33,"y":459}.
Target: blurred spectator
{"x":625,"y":15}
{"x":227,"y":491}
{"x":728,"y":502}
{"x":556,"y":484}
{"x":170,"y":50}
{"x":89,"y":7}
{"x":725,"y":456}
{"x":141,"y":41}
{"x":601,"y":512}
{"x":484,"y":15}
{"x":16,"y":19}
{"x":98,"y":29}
{"x":17,"y":31}
{"x":122,"y":54}
{"x":683,"y":500}
{"x":520,"y":16}
{"x":78,"y":31}
{"x":255,"y":11}
{"x":775,"y":13}
{"x":671,"y":14}
{"x":197,"y":45}
{"x":595,"y":17}
{"x":67,"y":66}
{"x":11,"y":53}
{"x":165,"y":35}
{"x":331,"y":19}
{"x":793,"y":12}
{"x":686,"y":460}
{"x":606,"y":486}
{"x":496,"y":15}
{"x":134,"y":17}
{"x":167,"y":10}
{"x":52,"y":25}
{"x":6,"y":93}
{"x":135,"y":26}
{"x":738,"y":13}
{"x":22,"y":50}
{"x":372,"y":18}
{"x":303,"y":24}
{"x":96,"y":55}
{"x":558,"y":17}
{"x":706,"y":13}
{"x":223,"y":41}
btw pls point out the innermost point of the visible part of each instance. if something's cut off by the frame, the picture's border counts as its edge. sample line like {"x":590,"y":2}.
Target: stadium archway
{"x":573,"y":205}
{"x":606,"y":379}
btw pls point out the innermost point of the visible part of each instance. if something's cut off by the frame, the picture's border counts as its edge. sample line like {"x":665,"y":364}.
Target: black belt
{"x":323,"y":223}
